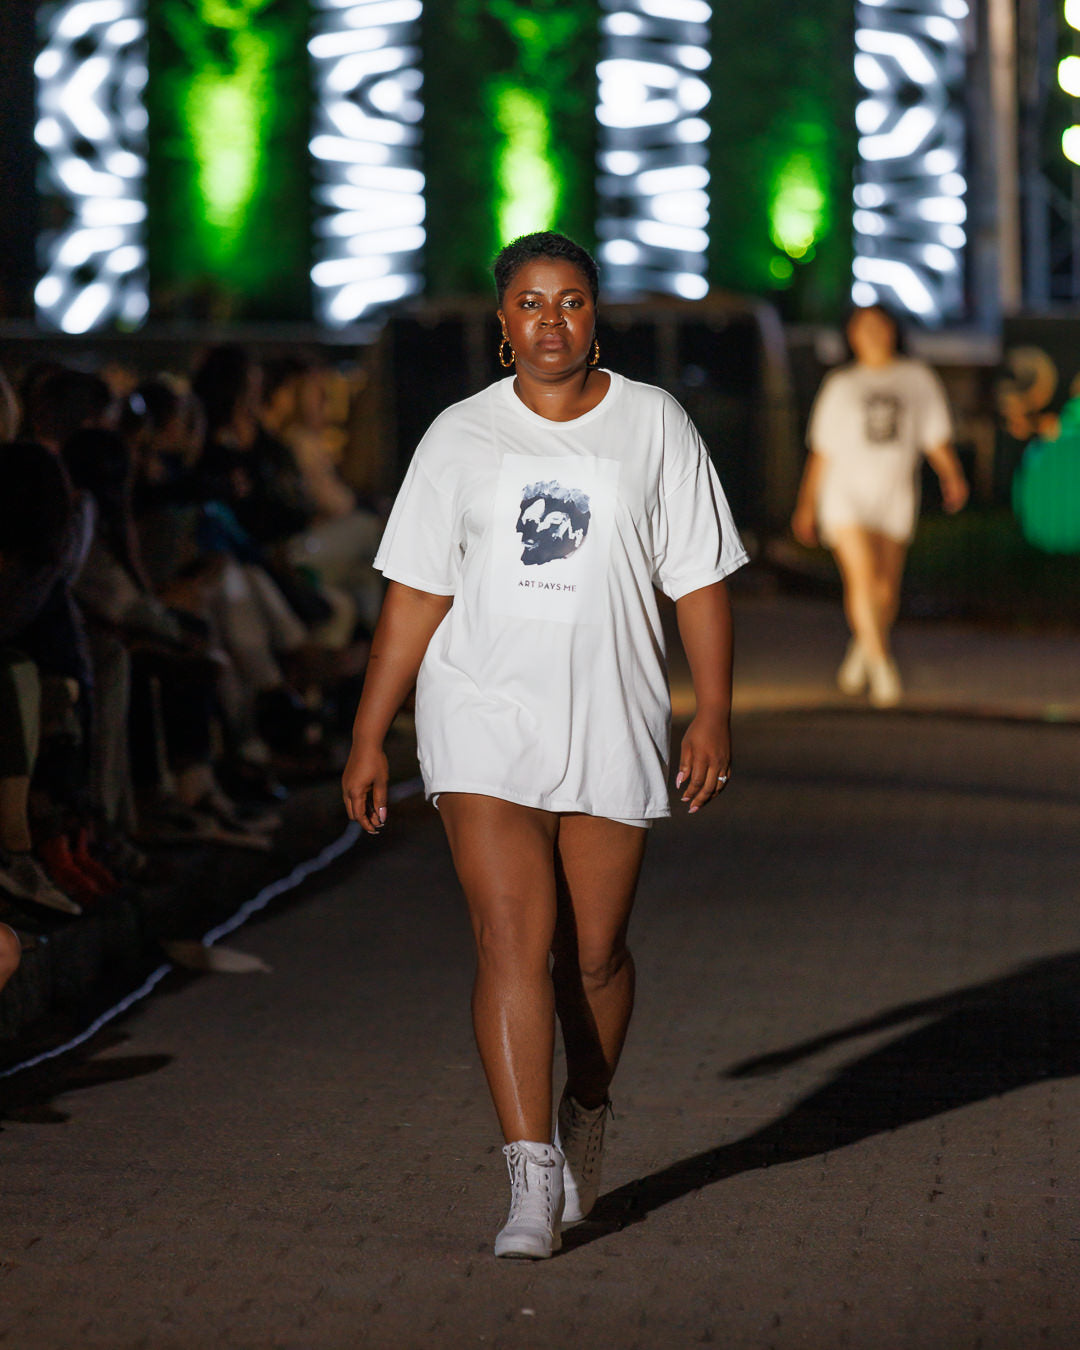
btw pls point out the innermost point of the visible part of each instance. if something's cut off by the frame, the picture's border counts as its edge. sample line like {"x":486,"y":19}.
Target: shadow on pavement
{"x":30,"y":1099}
{"x":973,"y":1044}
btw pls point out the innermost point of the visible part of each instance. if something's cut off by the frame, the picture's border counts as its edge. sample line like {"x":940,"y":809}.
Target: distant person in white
{"x":873,"y":421}
{"x":534,"y":523}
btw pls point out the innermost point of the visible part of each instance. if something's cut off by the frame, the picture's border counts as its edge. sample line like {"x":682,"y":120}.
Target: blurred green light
{"x":1070,"y":143}
{"x":226,"y":112}
{"x":528,"y":186}
{"x":781,"y":269}
{"x":1069,"y":75}
{"x":798,"y":207}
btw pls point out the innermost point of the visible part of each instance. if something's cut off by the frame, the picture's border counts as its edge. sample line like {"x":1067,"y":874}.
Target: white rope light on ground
{"x":909,"y":212}
{"x":91,"y":130}
{"x":369,"y":188}
{"x":652,"y":189}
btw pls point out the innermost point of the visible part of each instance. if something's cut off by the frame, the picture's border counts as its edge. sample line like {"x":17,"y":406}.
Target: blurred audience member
{"x":35,"y":548}
{"x":340,"y":542}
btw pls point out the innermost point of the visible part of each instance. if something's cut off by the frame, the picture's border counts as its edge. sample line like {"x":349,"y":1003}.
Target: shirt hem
{"x":682,"y":588}
{"x":417,"y":583}
{"x":560,"y":807}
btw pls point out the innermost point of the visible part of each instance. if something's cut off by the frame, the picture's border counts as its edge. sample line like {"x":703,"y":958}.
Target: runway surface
{"x":846,"y":1115}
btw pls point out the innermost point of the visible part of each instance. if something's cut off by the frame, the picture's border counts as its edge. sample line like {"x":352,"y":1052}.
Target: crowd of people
{"x":186,"y":597}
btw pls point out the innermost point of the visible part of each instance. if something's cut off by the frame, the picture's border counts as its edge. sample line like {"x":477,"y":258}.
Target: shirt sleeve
{"x":935,"y":420}
{"x":825,"y":425}
{"x":421,"y":545}
{"x":697,"y":543}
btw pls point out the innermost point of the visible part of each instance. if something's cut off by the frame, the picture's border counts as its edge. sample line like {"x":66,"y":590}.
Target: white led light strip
{"x":369,"y":188}
{"x":909,"y":183}
{"x":652,"y":190}
{"x":91,"y":129}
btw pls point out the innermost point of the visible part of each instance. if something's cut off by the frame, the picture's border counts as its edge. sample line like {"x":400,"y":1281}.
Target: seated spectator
{"x":137,"y":638}
{"x":339,"y":543}
{"x":194,"y":569}
{"x":35,"y":549}
{"x":58,"y":402}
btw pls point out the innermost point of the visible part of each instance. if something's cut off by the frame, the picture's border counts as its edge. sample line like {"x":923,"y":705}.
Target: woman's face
{"x":872,"y":336}
{"x":549,"y":316}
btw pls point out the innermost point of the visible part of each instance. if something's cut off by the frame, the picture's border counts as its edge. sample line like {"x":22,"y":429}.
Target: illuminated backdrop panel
{"x":653,"y":188}
{"x":909,"y":188}
{"x":369,"y":184}
{"x":91,"y":130}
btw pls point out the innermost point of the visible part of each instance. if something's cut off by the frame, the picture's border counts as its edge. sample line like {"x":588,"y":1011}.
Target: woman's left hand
{"x":704,"y":759}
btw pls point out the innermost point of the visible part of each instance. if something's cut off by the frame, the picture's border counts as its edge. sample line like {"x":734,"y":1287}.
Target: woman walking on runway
{"x":522,"y":552}
{"x":872,"y":422}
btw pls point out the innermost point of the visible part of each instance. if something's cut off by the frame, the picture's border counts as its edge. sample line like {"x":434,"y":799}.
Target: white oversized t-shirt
{"x":545,"y":684}
{"x":872,"y":425}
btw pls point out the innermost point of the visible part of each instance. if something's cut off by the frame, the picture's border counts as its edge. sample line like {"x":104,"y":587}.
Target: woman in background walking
{"x":872,"y":422}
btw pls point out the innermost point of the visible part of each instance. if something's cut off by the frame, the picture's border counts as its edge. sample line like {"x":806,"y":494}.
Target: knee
{"x":9,"y":954}
{"x":601,"y":968}
{"x":507,"y":940}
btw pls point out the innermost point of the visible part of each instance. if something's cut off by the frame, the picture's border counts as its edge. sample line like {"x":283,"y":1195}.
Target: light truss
{"x":369,"y":188}
{"x":909,"y":217}
{"x":652,"y":189}
{"x":91,"y":130}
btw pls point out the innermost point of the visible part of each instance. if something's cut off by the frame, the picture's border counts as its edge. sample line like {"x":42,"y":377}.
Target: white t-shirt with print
{"x":872,"y":425}
{"x":545,"y":684}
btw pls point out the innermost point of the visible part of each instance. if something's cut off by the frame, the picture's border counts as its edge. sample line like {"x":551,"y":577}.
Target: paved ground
{"x":788,"y":649}
{"x":846,"y":1116}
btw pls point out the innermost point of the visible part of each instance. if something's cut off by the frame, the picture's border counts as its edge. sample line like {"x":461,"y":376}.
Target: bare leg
{"x":9,"y":954}
{"x":889,"y":557}
{"x":598,"y":862}
{"x":14,"y":821}
{"x":505,"y":860}
{"x":856,"y":557}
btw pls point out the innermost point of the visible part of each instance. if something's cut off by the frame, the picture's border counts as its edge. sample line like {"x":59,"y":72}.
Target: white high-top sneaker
{"x":853,"y":673}
{"x":533,"y":1229}
{"x":579,"y":1132}
{"x":886,"y":689}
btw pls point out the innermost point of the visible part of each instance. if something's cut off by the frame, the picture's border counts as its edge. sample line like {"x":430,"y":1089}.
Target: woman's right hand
{"x":804,"y":526}
{"x":364,"y":784}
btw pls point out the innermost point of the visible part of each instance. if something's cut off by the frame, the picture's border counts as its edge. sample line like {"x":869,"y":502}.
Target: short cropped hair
{"x":543,"y":244}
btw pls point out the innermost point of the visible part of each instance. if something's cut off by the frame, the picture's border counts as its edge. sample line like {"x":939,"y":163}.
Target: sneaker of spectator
{"x":66,"y":874}
{"x":23,"y":877}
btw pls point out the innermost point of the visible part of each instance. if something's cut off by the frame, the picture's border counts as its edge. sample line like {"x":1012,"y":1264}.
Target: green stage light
{"x":229,"y":107}
{"x":527,"y":182}
{"x":798,"y":209}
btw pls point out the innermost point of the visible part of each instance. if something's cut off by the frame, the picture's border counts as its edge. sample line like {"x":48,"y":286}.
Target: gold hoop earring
{"x":503,"y":345}
{"x":594,"y":355}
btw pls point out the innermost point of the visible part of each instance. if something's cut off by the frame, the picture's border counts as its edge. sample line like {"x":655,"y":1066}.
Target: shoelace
{"x":517,"y":1159}
{"x":579,"y":1121}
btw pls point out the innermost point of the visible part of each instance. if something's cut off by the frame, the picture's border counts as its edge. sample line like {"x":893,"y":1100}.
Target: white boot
{"x":886,"y":690}
{"x":852,"y":675}
{"x":579,"y":1132}
{"x":533,"y":1229}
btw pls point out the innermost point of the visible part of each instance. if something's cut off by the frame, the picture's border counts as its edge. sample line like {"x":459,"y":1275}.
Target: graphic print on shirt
{"x":552,"y":525}
{"x":553,"y":522}
{"x":881,"y":418}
